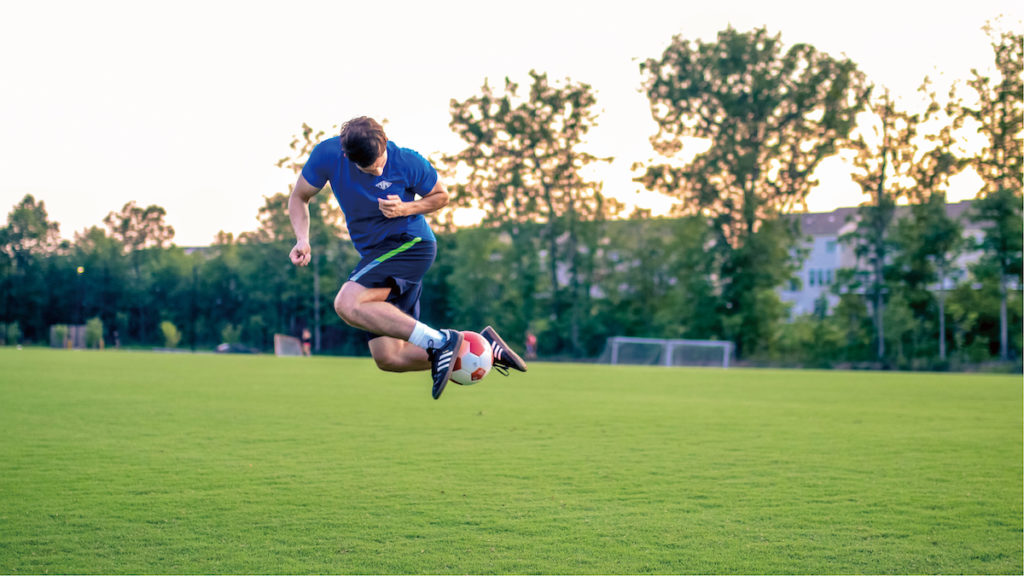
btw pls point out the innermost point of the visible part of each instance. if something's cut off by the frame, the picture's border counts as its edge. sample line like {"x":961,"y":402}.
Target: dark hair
{"x":363,"y":140}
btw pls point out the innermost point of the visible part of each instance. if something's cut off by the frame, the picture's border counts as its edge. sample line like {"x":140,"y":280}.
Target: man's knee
{"x":346,"y":303}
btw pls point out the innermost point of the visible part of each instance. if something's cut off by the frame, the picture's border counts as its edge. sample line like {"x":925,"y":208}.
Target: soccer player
{"x":384,"y":191}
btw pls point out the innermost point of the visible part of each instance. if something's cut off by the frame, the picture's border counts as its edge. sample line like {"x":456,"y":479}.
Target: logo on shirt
{"x":383,"y":185}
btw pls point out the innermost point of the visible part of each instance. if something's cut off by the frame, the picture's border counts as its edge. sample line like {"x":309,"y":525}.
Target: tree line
{"x":555,"y":255}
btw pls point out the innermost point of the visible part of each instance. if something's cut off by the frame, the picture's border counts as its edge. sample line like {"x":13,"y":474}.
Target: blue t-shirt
{"x":406,"y":174}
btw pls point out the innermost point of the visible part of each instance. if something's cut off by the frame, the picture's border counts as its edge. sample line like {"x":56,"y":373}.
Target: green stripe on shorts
{"x":399,"y":250}
{"x":384,"y":257}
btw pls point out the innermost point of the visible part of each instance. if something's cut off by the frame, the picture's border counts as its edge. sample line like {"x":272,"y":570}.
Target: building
{"x":826,"y":254}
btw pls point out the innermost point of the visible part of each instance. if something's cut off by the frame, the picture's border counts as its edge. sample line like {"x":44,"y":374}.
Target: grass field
{"x":174,"y":463}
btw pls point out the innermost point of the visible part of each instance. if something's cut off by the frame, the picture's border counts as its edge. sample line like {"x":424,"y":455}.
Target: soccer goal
{"x":285,"y":345}
{"x":667,"y":352}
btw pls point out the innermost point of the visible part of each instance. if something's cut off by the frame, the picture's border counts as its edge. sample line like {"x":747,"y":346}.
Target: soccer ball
{"x":473,"y":361}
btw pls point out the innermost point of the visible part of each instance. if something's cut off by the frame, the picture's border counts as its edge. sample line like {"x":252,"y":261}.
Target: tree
{"x":25,"y":243}
{"x":929,"y":242}
{"x":523,"y":163}
{"x":106,"y":278}
{"x":138,"y":228}
{"x":655,"y":279}
{"x":1000,"y":211}
{"x":142,"y":232}
{"x":886,"y":167}
{"x":29,"y":231}
{"x":770,"y":115}
{"x":995,"y":107}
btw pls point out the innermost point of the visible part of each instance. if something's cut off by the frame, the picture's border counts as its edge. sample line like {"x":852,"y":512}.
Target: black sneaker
{"x":504,"y":357}
{"x":442,"y":359}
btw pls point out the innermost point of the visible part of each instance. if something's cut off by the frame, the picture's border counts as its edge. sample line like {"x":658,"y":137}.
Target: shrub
{"x":231,"y":334}
{"x":60,"y":336}
{"x":94,"y":333}
{"x":171,"y":334}
{"x":13,"y":333}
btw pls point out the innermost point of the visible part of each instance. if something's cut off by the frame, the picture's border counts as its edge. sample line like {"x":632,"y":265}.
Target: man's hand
{"x":392,"y":206}
{"x":300,"y":254}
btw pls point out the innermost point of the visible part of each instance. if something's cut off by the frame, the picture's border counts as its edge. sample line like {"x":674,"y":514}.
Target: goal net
{"x":667,"y":352}
{"x":285,"y":345}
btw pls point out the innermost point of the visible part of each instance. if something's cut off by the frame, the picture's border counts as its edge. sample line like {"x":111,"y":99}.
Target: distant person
{"x":307,"y":343}
{"x":531,"y":345}
{"x":385,"y":191}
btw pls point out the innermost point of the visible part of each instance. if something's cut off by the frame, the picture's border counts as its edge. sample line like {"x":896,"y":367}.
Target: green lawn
{"x":121,"y":462}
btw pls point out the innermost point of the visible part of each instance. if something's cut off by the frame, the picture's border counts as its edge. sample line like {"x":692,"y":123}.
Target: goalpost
{"x":285,"y":345}
{"x":667,"y":352}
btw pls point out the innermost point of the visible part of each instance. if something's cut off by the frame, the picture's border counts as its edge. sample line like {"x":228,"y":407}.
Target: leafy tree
{"x":480,"y":293}
{"x":139,"y":228}
{"x":770,"y":115}
{"x":25,"y":243}
{"x":904,"y":156}
{"x":994,"y":106}
{"x":143,"y":233}
{"x":655,"y":279}
{"x":105,"y":278}
{"x":886,"y":152}
{"x":1000,"y":212}
{"x":523,"y":163}
{"x":929,"y":242}
{"x":29,"y":231}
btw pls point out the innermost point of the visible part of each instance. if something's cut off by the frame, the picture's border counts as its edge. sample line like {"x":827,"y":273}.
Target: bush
{"x":231,"y":334}
{"x":13,"y":333}
{"x":60,"y":336}
{"x":171,"y":334}
{"x":94,"y":333}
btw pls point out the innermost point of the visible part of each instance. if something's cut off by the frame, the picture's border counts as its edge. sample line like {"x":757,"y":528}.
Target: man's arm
{"x":298,"y":213}
{"x":394,"y":207}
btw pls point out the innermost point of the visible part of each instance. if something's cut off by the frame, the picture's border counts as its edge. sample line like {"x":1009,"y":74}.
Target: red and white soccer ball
{"x":473,"y":361}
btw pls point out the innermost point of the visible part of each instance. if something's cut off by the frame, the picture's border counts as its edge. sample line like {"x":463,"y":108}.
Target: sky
{"x":189,"y":105}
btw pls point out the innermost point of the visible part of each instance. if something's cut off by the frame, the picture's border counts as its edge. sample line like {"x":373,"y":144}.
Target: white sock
{"x":425,"y":337}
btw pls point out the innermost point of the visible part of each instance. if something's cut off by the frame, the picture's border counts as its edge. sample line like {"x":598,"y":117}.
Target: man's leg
{"x":394,"y":355}
{"x":368,"y":309}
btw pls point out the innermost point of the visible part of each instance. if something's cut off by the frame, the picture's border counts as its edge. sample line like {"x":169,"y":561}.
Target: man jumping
{"x":384,"y":192}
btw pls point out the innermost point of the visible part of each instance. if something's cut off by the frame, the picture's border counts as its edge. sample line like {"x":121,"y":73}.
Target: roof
{"x":829,"y":223}
{"x":826,"y":223}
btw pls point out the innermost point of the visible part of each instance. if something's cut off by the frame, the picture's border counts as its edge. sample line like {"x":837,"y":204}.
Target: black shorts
{"x":398,"y":263}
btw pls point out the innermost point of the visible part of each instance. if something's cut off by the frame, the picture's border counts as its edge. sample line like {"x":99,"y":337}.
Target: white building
{"x":826,"y":254}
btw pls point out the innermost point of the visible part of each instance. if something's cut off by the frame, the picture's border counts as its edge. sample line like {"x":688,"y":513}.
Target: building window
{"x":810,"y":278}
{"x":830,"y":246}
